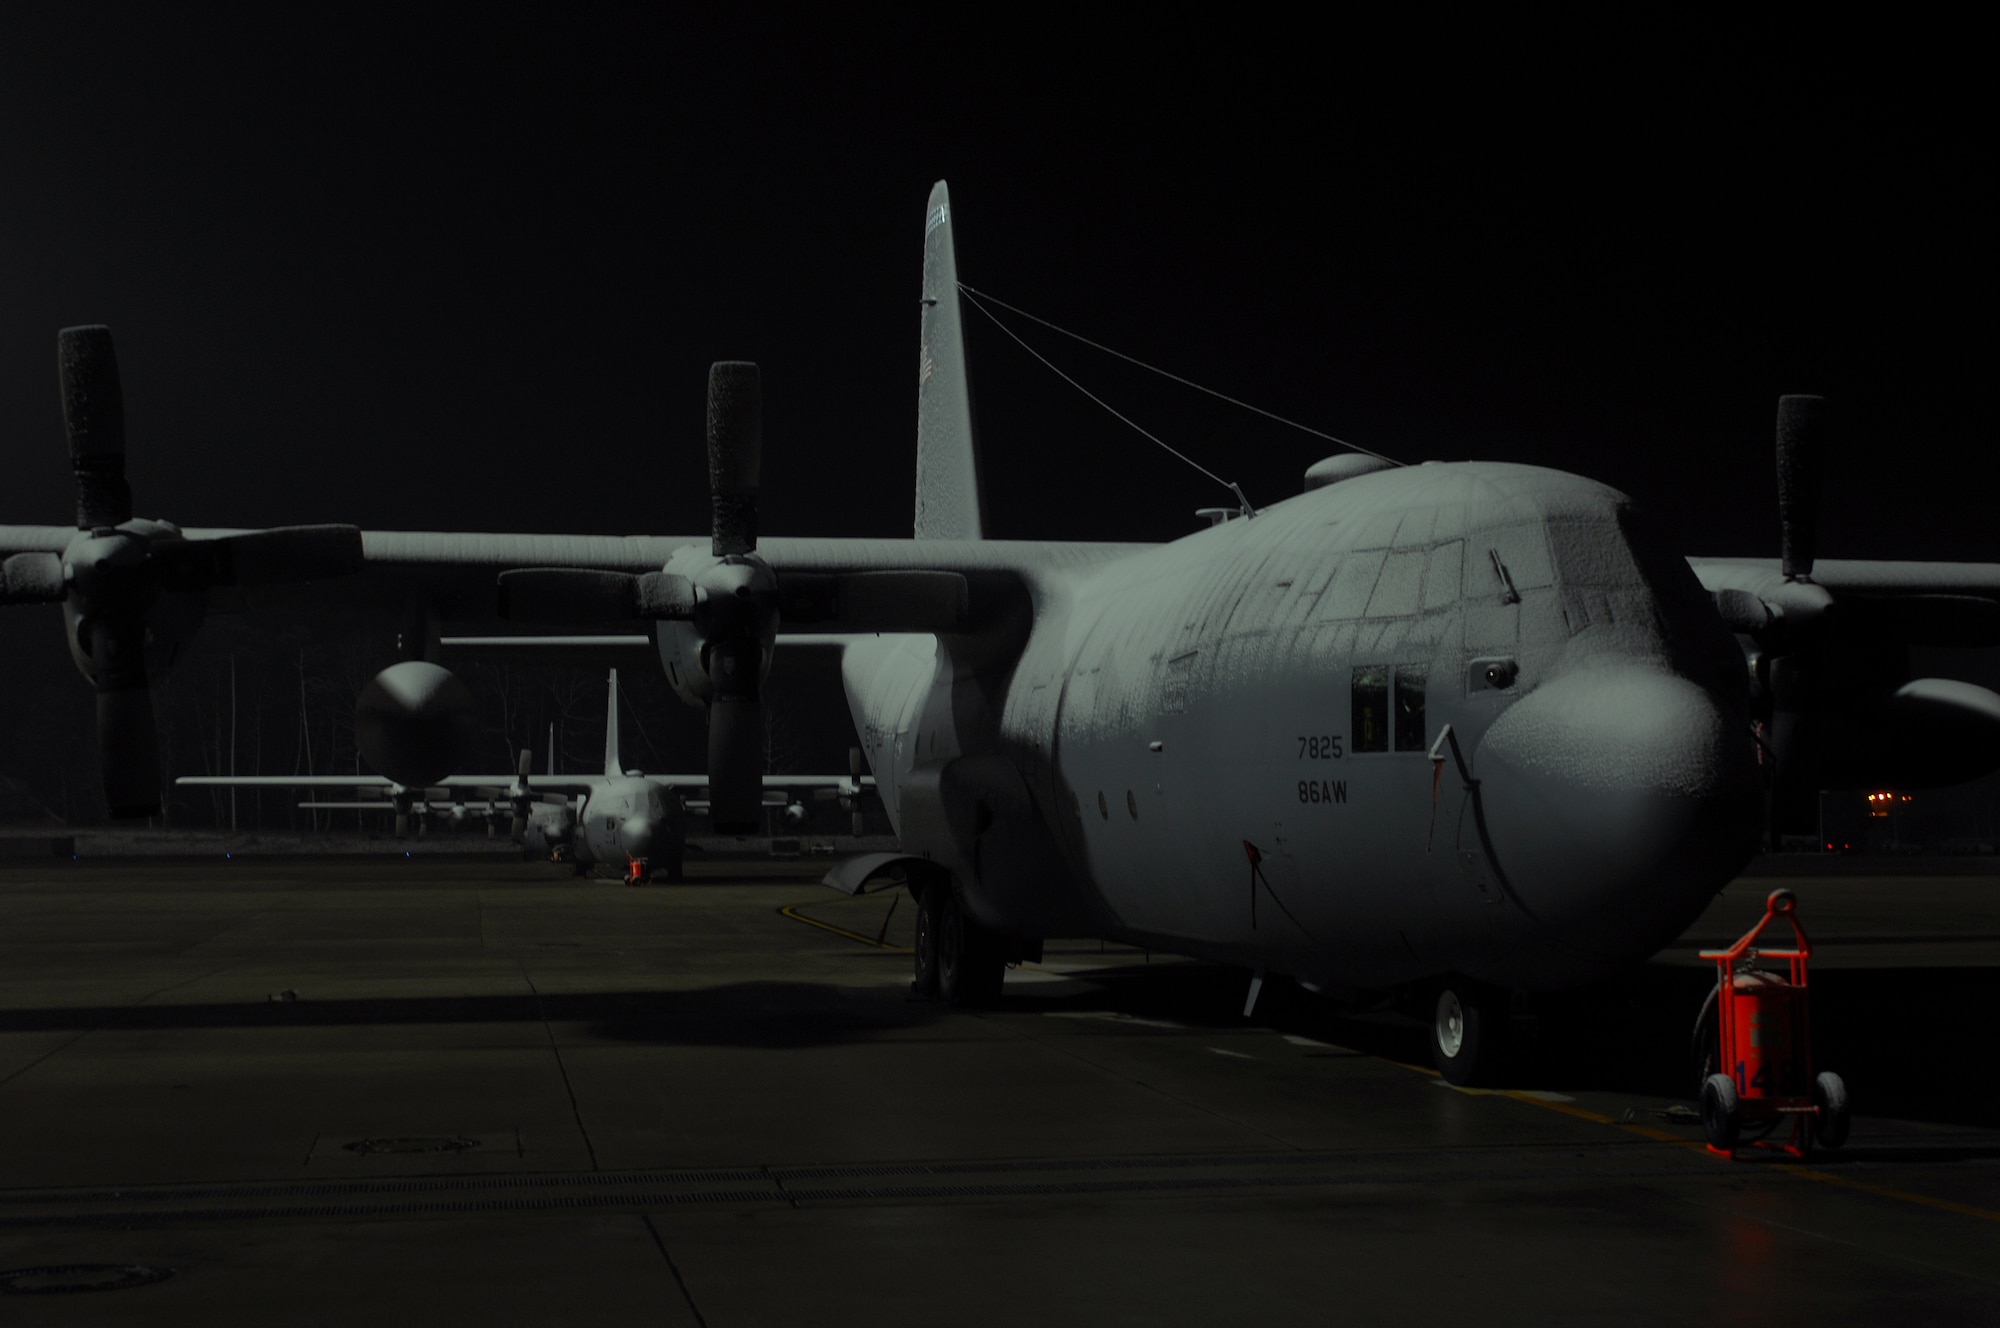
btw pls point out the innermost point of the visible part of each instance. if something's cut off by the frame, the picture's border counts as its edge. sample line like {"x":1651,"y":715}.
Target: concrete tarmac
{"x":480,"y":1091}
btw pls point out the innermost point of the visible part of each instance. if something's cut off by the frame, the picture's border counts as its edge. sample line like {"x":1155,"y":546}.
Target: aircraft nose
{"x":635,"y":837}
{"x":1615,"y":801}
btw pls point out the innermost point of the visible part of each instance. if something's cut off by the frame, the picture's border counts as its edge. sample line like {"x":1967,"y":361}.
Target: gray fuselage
{"x":1223,"y":745}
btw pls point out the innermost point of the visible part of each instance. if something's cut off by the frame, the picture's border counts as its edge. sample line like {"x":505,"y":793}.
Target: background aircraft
{"x":1458,"y":729}
{"x":623,"y":818}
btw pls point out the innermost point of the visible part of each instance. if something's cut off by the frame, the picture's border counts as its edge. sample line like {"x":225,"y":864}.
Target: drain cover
{"x":421,"y":1143}
{"x":64,"y":1279}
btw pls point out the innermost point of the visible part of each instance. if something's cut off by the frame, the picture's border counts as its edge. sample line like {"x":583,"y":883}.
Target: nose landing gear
{"x":1469,"y":1032}
{"x":958,"y":961}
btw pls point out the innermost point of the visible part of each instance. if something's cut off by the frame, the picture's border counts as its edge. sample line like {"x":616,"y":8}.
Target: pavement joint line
{"x":96,"y":1028}
{"x":770,"y":1192}
{"x":336,"y":1188}
{"x":555,"y":1048}
{"x":700,"y":1319}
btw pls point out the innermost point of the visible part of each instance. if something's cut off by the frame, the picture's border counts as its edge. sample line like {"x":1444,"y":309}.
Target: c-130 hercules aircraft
{"x":1454,"y":729}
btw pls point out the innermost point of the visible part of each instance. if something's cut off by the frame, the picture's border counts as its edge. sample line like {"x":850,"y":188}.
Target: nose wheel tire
{"x":924,"y":982}
{"x":1829,"y":1097}
{"x":970,"y":966}
{"x":1721,"y":1112}
{"x":1469,"y":1034}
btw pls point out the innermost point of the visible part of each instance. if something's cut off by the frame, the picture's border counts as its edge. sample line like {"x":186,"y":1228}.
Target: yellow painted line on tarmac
{"x":1667,"y":1137}
{"x":792,"y":911}
{"x":1887,"y":1192}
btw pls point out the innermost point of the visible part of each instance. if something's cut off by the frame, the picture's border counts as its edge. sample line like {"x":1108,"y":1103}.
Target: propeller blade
{"x":32,"y":578}
{"x":1802,"y":440}
{"x":286,"y":554}
{"x":735,"y":765}
{"x":735,"y":453}
{"x":568,"y":595}
{"x":735,"y":737}
{"x":1971,"y":621}
{"x":127,"y":748}
{"x":278,"y":556}
{"x":916,"y":600}
{"x":94,"y":416}
{"x":587,"y":595}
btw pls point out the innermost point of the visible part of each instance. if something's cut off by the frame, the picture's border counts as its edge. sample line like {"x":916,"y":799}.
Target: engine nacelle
{"x":550,"y":827}
{"x":172,"y":617}
{"x":683,"y":651}
{"x":415,"y":723}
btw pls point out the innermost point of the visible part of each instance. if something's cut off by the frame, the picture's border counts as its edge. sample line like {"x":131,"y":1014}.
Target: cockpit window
{"x":1371,"y":708}
{"x":1410,"y":707}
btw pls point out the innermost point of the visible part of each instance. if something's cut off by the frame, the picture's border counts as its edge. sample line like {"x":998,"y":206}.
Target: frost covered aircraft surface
{"x":1454,"y":728}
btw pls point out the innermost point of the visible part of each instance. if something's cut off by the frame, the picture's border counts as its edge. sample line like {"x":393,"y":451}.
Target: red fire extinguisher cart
{"x":1764,"y":1048}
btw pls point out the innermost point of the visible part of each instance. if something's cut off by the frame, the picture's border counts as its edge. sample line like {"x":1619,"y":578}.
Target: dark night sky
{"x":459,"y":271}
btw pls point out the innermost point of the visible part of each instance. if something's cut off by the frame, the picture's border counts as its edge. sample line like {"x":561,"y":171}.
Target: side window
{"x":1371,"y":708}
{"x":1410,"y":707}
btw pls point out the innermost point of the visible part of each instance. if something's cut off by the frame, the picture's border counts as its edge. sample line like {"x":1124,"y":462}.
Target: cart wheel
{"x":1721,"y":1113}
{"x":1830,"y":1101}
{"x":1469,"y":1034}
{"x":1705,"y":1059}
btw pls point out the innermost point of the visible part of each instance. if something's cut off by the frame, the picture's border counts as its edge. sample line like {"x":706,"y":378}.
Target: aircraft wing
{"x":539,"y":783}
{"x":291,"y":781}
{"x":1921,"y":603}
{"x":458,"y":574}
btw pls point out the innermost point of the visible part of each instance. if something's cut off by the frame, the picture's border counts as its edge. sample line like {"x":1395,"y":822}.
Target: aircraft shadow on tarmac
{"x":1896,"y":1035}
{"x":749,"y":1014}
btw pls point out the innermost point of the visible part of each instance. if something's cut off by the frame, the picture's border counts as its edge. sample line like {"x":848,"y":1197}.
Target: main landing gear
{"x":1469,"y":1027}
{"x":957,"y":961}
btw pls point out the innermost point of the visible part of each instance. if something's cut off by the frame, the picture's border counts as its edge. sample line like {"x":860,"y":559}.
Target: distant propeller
{"x":1802,"y":446}
{"x":111,"y":576}
{"x":518,"y":795}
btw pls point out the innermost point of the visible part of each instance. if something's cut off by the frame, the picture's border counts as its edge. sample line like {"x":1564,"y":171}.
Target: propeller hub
{"x":737,"y":599}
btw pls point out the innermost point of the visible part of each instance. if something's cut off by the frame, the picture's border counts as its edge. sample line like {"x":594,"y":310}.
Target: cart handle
{"x":1782,"y":904}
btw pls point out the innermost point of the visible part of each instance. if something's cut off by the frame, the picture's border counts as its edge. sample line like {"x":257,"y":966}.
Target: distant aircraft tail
{"x":948,"y":502}
{"x":611,"y":765}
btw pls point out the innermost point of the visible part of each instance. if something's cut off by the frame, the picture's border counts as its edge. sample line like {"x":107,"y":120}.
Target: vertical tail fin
{"x":611,"y":766}
{"x":948,"y":502}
